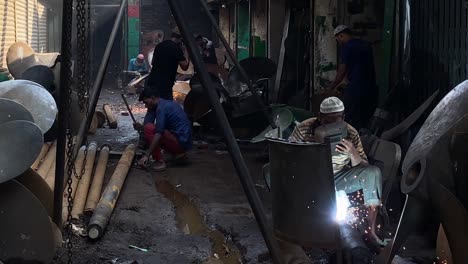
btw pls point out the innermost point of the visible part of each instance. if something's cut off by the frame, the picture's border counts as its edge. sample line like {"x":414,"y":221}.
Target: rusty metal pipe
{"x":48,"y":161}
{"x":83,"y":186}
{"x":41,"y":156}
{"x":96,"y":186}
{"x":109,"y":198}
{"x":111,"y":120}
{"x":78,"y":169}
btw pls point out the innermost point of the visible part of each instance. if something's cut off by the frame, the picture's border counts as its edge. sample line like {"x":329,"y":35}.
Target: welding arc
{"x":128,"y":108}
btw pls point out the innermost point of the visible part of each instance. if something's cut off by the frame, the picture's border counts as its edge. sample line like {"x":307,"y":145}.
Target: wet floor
{"x":190,"y":221}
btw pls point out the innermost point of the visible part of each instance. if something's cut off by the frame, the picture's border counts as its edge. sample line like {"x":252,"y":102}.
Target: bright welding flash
{"x":342,"y":206}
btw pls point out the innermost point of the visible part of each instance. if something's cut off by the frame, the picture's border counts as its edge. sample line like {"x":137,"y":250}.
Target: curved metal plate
{"x":23,"y":237}
{"x":20,"y":57}
{"x":38,"y":101}
{"x":38,"y":186}
{"x":20,"y":144}
{"x":42,"y":75}
{"x":12,"y":110}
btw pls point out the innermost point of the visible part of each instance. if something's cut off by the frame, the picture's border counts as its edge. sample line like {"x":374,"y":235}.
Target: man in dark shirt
{"x":207,"y":50}
{"x":167,"y":127}
{"x":167,"y":56}
{"x":357,"y":65}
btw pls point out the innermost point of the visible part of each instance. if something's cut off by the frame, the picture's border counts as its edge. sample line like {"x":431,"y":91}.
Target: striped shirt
{"x":304,"y":132}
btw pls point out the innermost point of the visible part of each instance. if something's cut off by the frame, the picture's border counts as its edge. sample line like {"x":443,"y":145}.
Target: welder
{"x":351,"y":168}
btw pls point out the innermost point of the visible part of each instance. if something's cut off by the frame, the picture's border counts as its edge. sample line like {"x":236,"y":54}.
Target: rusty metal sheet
{"x":24,"y":238}
{"x":20,"y":57}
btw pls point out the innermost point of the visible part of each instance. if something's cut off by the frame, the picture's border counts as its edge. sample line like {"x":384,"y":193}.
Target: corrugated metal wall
{"x":7,"y":28}
{"x":22,"y":20}
{"x":439,"y":46}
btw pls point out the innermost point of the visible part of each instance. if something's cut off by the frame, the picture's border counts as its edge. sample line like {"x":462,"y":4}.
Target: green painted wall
{"x":243,"y":31}
{"x":133,"y":37}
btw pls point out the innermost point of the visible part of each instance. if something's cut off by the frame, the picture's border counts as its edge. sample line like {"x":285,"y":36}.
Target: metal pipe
{"x":233,"y":58}
{"x":96,"y":185}
{"x":237,"y":159}
{"x":64,"y":110}
{"x":96,"y":90}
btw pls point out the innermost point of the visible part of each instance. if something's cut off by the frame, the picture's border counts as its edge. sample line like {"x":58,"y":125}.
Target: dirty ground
{"x":194,"y":214}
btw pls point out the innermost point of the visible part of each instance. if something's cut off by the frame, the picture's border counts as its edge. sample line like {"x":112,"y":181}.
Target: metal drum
{"x":303,"y":189}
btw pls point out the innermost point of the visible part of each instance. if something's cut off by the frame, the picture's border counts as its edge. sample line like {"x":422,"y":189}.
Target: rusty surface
{"x":431,"y":173}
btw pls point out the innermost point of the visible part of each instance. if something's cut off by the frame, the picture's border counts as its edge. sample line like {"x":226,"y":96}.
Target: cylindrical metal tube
{"x":41,"y":156}
{"x":111,"y":120}
{"x":83,"y":186}
{"x":64,"y":107}
{"x":106,"y":205}
{"x":48,"y":161}
{"x":78,"y":169}
{"x":238,"y":160}
{"x":96,"y":186}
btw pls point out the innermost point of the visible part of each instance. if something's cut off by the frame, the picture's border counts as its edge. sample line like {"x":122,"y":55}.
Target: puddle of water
{"x":190,"y":221}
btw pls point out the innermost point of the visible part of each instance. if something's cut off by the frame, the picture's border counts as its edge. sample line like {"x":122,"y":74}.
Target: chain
{"x":82,"y":46}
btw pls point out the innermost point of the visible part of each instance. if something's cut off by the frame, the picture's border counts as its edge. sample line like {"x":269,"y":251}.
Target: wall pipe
{"x":233,"y":58}
{"x":64,"y":110}
{"x":96,"y":90}
{"x":237,"y":159}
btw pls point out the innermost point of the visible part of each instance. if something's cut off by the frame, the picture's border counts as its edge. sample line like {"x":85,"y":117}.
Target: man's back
{"x":166,"y":58}
{"x":170,"y":116}
{"x":359,"y":60}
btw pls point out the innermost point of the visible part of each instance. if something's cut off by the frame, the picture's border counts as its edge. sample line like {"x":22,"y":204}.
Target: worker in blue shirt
{"x":166,"y":126}
{"x":357,"y":66}
{"x":138,"y":64}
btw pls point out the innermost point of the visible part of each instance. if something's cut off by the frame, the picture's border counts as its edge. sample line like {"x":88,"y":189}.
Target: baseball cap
{"x":331,"y":105}
{"x":141,"y":57}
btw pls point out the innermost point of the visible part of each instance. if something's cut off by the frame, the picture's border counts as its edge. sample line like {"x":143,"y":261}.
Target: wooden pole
{"x":50,"y":178}
{"x":78,"y":167}
{"x":96,"y":186}
{"x":112,"y":121}
{"x":109,"y":198}
{"x":48,"y":161}
{"x":83,"y":186}
{"x":41,"y":156}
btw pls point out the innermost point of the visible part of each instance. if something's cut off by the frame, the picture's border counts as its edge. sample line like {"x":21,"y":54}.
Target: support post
{"x":238,"y":160}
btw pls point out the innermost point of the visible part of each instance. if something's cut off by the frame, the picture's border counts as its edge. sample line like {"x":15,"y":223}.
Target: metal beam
{"x":237,"y":159}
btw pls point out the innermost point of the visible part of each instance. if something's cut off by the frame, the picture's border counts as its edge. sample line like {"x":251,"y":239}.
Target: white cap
{"x":331,"y":105}
{"x":340,"y":29}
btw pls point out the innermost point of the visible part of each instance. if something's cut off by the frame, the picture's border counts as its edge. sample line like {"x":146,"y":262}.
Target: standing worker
{"x":357,"y":65}
{"x":166,"y":57}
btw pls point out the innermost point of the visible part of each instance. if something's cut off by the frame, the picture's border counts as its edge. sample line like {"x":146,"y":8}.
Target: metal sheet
{"x":38,"y":101}
{"x":20,"y":144}
{"x":12,"y":110}
{"x":38,"y":186}
{"x":20,"y":57}
{"x":42,"y":75}
{"x":23,"y":238}
{"x":302,"y":185}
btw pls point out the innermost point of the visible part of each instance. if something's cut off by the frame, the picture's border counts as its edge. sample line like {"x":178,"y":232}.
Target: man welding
{"x":166,"y":126}
{"x":351,"y":169}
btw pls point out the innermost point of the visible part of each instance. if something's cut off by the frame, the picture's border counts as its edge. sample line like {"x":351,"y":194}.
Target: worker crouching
{"x":166,"y":126}
{"x":351,"y":168}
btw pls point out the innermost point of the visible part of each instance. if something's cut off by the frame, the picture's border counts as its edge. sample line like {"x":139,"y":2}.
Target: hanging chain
{"x":81,"y":58}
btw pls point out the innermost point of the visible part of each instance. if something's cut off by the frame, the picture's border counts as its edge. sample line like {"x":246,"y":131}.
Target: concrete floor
{"x":193,"y":214}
